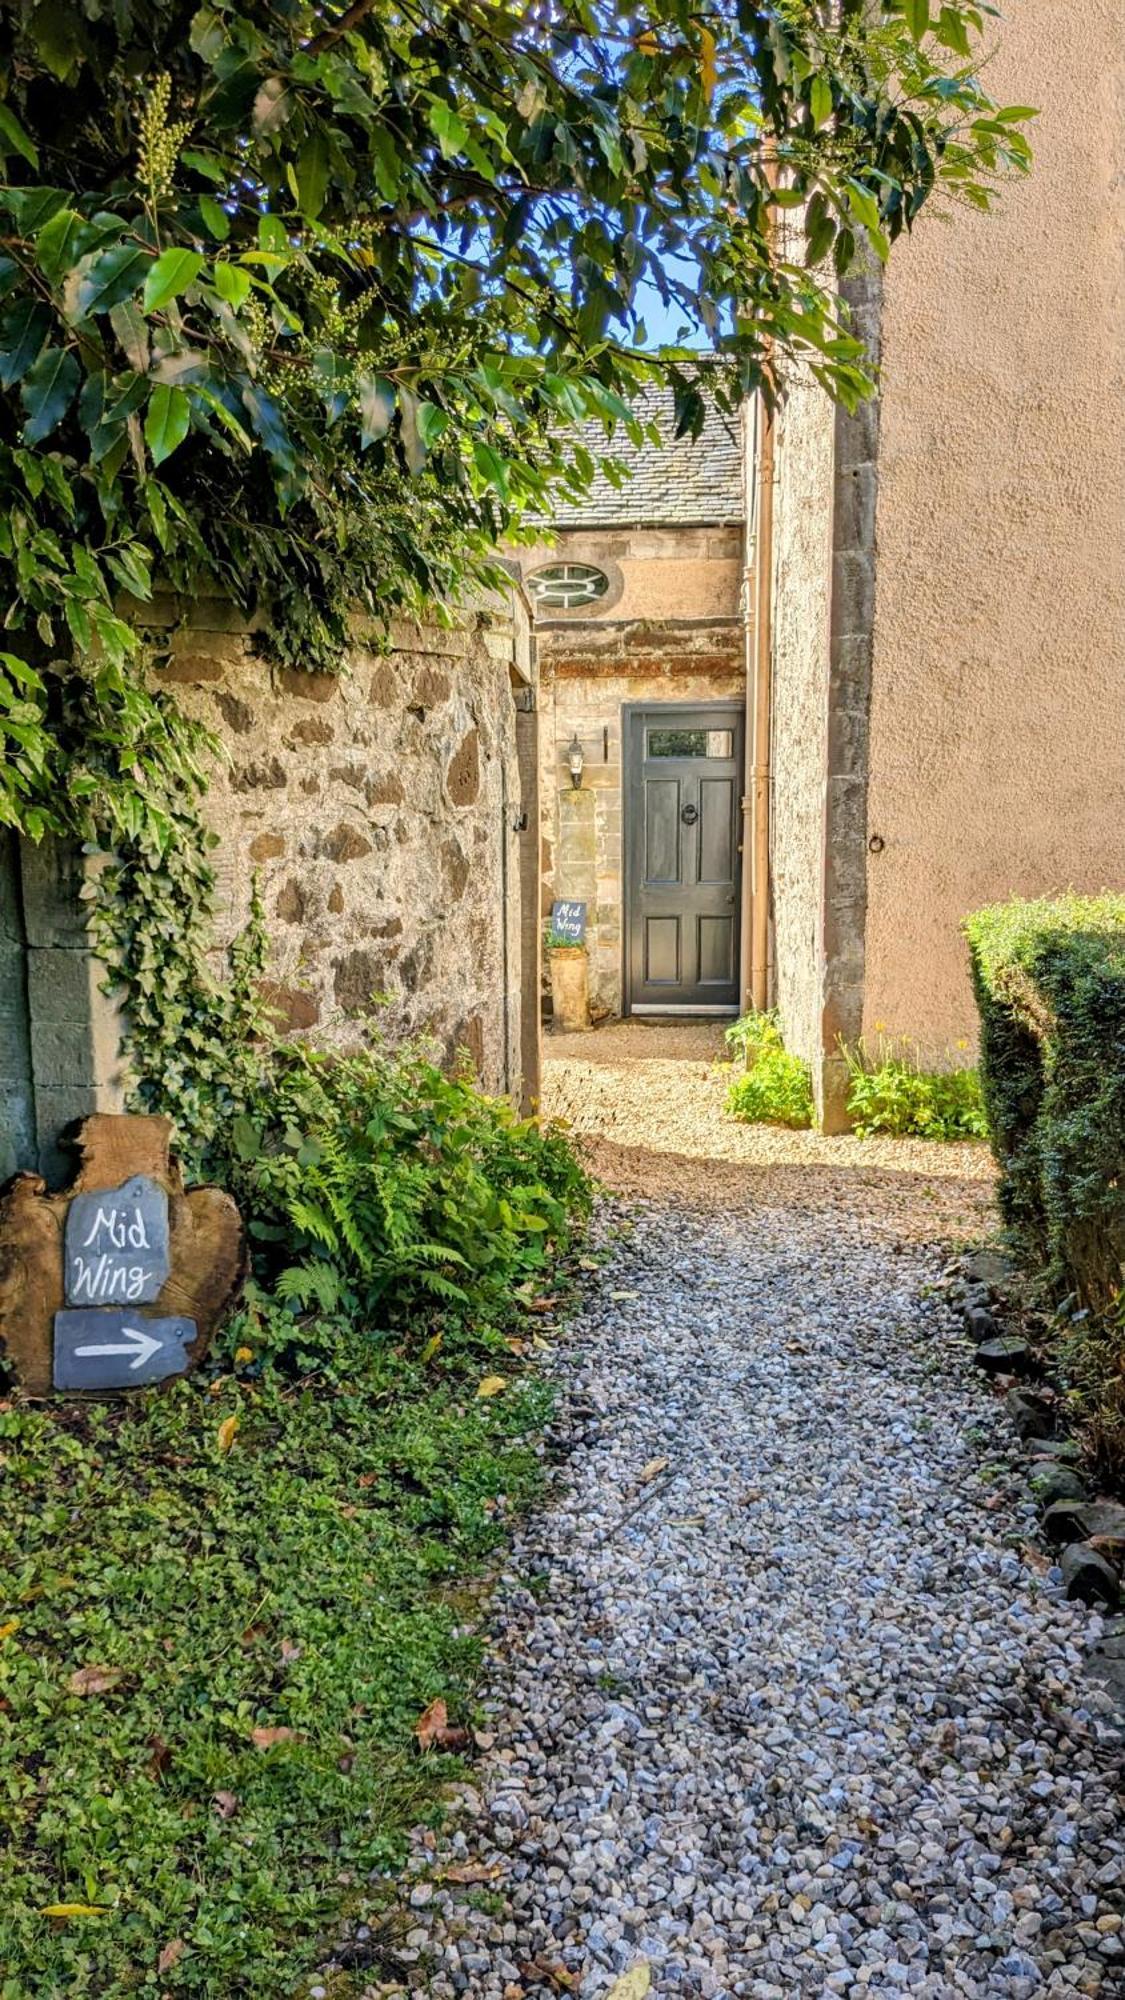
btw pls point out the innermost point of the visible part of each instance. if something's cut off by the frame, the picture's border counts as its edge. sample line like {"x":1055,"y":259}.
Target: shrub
{"x":890,"y":1093}
{"x":777,"y":1086}
{"x":375,"y":1183}
{"x":1050,"y":984}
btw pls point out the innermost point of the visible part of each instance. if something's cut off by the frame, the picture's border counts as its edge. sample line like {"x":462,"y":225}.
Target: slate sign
{"x":568,"y":920}
{"x":116,"y":1245}
{"x":99,"y":1348}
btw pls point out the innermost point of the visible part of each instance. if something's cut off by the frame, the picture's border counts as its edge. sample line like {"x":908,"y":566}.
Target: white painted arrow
{"x":139,"y":1344}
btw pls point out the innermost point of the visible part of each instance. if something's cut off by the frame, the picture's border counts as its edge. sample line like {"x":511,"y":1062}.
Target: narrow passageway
{"x":783,"y":1702}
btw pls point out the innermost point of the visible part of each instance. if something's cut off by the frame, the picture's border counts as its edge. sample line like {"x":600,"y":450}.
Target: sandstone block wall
{"x":378,"y":809}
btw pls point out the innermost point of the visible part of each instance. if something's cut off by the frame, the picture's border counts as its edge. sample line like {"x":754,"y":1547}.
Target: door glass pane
{"x":690,"y":742}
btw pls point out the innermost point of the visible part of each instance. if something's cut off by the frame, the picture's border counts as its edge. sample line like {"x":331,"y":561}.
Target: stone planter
{"x":570,"y":988}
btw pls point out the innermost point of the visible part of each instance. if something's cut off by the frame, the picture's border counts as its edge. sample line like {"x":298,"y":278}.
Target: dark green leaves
{"x":172,"y":273}
{"x":105,"y":277}
{"x":23,"y":330}
{"x":167,"y":421}
{"x":47,"y":391}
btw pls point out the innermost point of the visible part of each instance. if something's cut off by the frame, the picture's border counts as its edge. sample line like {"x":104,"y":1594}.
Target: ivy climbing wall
{"x":379,"y":810}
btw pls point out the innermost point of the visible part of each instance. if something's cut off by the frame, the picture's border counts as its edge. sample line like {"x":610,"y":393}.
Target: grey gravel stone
{"x":783,"y":1703}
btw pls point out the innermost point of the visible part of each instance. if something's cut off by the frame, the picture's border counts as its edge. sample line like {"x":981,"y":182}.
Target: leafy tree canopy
{"x":300,"y":299}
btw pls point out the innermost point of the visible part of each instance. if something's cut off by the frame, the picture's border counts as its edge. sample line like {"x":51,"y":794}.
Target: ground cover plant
{"x":1050,"y":984}
{"x":226,"y":1608}
{"x":776,"y":1087}
{"x":889,"y":1091}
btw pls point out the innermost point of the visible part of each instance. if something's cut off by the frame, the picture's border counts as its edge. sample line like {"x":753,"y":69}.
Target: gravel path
{"x":783,"y":1698}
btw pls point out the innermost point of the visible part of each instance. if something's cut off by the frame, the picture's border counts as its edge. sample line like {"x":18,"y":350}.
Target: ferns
{"x":374,"y":1180}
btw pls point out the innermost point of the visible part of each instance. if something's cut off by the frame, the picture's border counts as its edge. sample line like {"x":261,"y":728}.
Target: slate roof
{"x":687,"y":481}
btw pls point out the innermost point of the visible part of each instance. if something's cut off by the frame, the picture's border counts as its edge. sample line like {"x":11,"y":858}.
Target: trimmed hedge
{"x":1050,"y":985}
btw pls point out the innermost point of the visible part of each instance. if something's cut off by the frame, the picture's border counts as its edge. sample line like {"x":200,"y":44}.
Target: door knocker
{"x":689,"y":815}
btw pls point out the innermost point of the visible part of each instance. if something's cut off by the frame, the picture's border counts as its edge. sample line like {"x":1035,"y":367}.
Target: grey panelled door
{"x":682,"y":831}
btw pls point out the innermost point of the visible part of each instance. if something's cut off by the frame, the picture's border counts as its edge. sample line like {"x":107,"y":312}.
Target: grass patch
{"x":301,"y":1580}
{"x":226,"y":1605}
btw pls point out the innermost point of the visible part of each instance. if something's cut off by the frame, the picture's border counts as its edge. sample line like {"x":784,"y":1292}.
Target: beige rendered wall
{"x":379,"y":810}
{"x":801,"y":607}
{"x":998,"y":717}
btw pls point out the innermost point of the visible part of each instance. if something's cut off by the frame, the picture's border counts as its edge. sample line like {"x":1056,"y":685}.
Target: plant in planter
{"x":569,"y":973}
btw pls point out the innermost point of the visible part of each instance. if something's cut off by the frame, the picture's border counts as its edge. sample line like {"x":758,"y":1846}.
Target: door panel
{"x":716,"y":951}
{"x":662,"y":951}
{"x":662,"y":831}
{"x":718,"y":862}
{"x":683,"y":785}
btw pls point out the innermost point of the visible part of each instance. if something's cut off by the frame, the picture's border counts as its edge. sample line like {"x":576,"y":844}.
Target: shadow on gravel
{"x":912,"y":1204}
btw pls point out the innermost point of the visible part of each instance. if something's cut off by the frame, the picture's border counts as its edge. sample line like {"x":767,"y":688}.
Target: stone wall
{"x":379,"y":811}
{"x":654,"y":572}
{"x":805,"y":469}
{"x":588,"y":673}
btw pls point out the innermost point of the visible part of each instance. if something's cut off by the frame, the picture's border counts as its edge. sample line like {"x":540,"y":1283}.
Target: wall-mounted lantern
{"x":575,"y":761}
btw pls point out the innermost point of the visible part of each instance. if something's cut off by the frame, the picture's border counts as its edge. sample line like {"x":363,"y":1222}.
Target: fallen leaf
{"x":228,"y":1431}
{"x":550,"y":1969}
{"x":432,"y":1347}
{"x":650,"y":1471}
{"x":431,"y":1722}
{"x":161,"y":1755}
{"x":634,"y":1984}
{"x":516,"y":1346}
{"x":624,"y":1295}
{"x":349,"y":1512}
{"x":434,"y":1731}
{"x":754,"y":1493}
{"x":545,"y":1302}
{"x":11,"y":1626}
{"x":95,"y":1680}
{"x":491,"y":1386}
{"x":171,"y":1955}
{"x":474,"y":1871}
{"x":289,"y":1652}
{"x":225,"y":1804}
{"x":264,"y":1739}
{"x":1035,"y":1557}
{"x":689,"y":1521}
{"x":367,"y":1479}
{"x":74,"y":1910}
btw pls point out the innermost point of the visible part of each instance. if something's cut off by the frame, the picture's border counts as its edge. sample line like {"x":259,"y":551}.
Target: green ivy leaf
{"x":104,"y":278}
{"x":376,"y":407}
{"x":47,"y":391}
{"x":13,"y":138}
{"x":172,"y":273}
{"x":215,"y":217}
{"x":917,"y":14}
{"x":55,"y":245}
{"x":166,"y":421}
{"x":232,"y":283}
{"x":23,"y":331}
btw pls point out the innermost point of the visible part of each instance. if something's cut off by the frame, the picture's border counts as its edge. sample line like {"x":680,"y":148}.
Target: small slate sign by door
{"x":568,"y":922}
{"x":97,"y":1348}
{"x":117,"y":1249}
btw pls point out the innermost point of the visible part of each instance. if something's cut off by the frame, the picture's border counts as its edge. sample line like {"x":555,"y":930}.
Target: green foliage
{"x":377,"y":1184}
{"x":777,"y":1087}
{"x":300,"y":1579}
{"x":1050,"y":985}
{"x":889,"y":1092}
{"x":302,"y":302}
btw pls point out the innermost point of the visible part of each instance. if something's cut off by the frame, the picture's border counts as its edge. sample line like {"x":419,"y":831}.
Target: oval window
{"x":567,"y":586}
